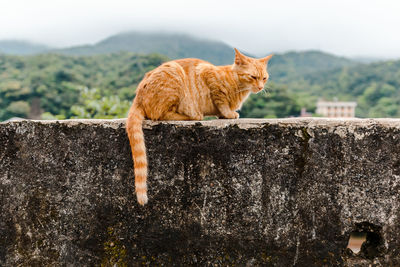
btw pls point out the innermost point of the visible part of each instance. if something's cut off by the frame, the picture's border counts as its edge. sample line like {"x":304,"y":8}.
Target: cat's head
{"x":252,"y":72}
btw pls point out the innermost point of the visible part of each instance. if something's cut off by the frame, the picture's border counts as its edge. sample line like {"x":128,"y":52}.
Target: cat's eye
{"x":254,"y":77}
{"x":265,"y":78}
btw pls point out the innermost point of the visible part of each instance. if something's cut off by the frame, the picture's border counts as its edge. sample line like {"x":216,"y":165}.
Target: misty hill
{"x":292,"y":65}
{"x":15,"y":47}
{"x":368,"y":60}
{"x":172,"y":45}
{"x":182,"y":46}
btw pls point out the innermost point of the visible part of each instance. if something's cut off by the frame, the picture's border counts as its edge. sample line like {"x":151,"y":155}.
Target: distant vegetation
{"x":294,"y":65}
{"x":376,"y":87}
{"x":32,"y":85}
{"x":101,"y":82}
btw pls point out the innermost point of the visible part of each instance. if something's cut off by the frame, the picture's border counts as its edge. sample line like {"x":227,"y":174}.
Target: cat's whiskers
{"x":266,"y":90}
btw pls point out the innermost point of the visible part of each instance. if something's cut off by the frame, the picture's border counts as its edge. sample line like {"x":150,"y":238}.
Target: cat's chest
{"x":238,"y":103}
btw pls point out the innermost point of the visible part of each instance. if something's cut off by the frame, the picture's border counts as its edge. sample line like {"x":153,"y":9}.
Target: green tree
{"x":93,"y":105}
{"x":276,"y":102}
{"x":18,"y":109}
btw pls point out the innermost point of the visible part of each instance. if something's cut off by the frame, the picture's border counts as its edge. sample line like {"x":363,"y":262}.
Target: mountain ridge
{"x":172,"y":45}
{"x":180,"y":45}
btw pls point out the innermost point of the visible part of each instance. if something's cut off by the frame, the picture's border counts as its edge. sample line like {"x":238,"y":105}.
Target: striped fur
{"x":136,"y":139}
{"x":188,"y":89}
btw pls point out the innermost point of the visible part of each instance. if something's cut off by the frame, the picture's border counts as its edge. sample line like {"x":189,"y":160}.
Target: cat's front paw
{"x":235,"y":115}
{"x":230,"y":115}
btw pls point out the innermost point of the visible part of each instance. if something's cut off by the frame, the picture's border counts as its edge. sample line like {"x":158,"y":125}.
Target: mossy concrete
{"x":225,"y":192}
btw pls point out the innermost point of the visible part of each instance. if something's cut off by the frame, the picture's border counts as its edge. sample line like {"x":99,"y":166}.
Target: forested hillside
{"x":103,"y":86}
{"x":51,"y":83}
{"x":294,"y":65}
{"x":183,"y":46}
{"x":376,"y":87}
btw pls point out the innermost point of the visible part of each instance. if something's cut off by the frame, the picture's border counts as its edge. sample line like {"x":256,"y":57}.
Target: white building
{"x":336,"y":109}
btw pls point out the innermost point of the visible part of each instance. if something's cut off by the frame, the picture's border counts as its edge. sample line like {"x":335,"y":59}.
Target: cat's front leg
{"x":220,"y":100}
{"x":224,"y":110}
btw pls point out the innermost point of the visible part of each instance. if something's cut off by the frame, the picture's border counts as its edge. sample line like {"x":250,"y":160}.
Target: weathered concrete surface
{"x":248,"y":192}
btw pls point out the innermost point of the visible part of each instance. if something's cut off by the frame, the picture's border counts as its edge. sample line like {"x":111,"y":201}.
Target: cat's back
{"x":179,"y":67}
{"x":178,"y":70}
{"x":190,"y":62}
{"x":187,"y":65}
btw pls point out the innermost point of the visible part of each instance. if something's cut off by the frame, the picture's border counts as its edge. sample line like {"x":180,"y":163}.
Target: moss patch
{"x":114,"y":251}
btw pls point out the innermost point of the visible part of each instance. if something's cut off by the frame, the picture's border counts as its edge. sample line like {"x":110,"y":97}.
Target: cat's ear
{"x":266,"y":59}
{"x":240,"y":59}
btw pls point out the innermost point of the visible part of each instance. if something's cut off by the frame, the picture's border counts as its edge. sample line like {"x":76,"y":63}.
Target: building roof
{"x":322,"y":103}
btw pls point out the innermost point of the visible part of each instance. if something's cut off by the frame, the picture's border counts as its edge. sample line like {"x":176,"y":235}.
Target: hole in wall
{"x":356,"y":240}
{"x":366,"y":240}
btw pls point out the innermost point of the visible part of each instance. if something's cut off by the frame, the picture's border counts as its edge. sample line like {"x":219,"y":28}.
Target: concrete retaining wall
{"x":225,"y":192}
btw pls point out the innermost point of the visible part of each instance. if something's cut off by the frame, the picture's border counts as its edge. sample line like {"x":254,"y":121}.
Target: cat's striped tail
{"x":136,"y":139}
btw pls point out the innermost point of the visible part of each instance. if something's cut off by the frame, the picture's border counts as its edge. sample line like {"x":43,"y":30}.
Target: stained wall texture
{"x":226,"y":192}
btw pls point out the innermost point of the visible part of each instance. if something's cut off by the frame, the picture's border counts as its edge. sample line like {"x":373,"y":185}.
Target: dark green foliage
{"x":275,"y":102}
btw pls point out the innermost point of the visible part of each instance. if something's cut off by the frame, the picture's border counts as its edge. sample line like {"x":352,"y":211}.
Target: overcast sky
{"x":342,"y":27}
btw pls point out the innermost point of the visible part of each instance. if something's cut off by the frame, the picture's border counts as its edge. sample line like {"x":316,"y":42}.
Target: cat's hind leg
{"x":188,"y":107}
{"x":169,"y":106}
{"x":173,"y":116}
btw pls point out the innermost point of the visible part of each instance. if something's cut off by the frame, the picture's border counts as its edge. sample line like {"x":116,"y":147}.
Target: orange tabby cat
{"x":188,"y":89}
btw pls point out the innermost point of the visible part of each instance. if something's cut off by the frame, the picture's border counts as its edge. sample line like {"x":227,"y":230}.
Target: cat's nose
{"x":260,"y":88}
